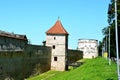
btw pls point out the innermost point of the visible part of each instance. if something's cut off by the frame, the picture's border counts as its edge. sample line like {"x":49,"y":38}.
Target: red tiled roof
{"x":57,"y":29}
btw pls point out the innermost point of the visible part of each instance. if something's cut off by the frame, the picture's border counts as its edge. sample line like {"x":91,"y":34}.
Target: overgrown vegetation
{"x":91,"y":69}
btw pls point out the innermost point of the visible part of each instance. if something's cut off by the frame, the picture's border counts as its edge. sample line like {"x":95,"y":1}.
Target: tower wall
{"x":58,"y":42}
{"x":89,"y":47}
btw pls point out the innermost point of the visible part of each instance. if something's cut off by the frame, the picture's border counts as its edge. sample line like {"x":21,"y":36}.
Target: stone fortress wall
{"x":22,"y":64}
{"x":74,"y":55}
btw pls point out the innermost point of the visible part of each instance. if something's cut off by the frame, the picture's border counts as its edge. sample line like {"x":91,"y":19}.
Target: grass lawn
{"x":92,"y":69}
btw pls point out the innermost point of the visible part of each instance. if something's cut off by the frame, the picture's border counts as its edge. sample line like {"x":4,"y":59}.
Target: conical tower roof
{"x":57,"y":28}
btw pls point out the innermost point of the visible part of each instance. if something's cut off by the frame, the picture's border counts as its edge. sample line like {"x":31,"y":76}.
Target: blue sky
{"x":81,"y":18}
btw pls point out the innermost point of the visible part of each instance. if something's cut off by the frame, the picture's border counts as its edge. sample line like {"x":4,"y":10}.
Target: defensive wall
{"x":20,"y":65}
{"x":74,"y":55}
{"x":35,"y":59}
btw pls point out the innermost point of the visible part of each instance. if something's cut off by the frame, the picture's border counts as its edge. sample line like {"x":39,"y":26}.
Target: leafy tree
{"x":111,"y":21}
{"x":100,"y":48}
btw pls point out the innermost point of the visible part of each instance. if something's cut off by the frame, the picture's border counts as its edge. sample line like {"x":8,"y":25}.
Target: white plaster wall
{"x":60,"y":51}
{"x":59,"y":64}
{"x":89,"y":47}
{"x":58,"y":39}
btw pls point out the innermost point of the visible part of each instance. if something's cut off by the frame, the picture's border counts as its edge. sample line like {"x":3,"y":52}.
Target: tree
{"x":100,"y":48}
{"x":111,"y":21}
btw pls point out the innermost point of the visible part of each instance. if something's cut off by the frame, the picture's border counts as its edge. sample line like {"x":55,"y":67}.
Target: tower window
{"x":55,"y":58}
{"x":53,"y":46}
{"x":54,"y":38}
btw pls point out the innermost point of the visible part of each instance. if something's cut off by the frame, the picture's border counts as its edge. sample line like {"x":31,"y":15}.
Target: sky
{"x":83,"y":19}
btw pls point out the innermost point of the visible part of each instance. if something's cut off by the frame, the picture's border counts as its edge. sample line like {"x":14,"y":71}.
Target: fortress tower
{"x":89,"y":47}
{"x":57,"y":38}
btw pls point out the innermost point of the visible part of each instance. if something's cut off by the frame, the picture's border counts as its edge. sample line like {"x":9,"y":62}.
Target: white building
{"x":12,"y":42}
{"x":57,"y":39}
{"x":89,"y":47}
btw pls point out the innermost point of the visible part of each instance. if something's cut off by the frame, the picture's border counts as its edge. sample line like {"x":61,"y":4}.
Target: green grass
{"x":92,"y":69}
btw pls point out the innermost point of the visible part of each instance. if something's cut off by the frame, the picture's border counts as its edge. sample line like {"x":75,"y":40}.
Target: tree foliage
{"x":111,"y":21}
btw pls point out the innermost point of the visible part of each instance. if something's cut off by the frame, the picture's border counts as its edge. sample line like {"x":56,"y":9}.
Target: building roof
{"x":57,"y":28}
{"x":12,"y":35}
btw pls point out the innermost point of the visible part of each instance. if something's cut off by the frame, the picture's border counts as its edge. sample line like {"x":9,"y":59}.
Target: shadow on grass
{"x":110,"y":79}
{"x":75,"y":65}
